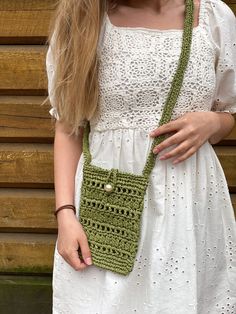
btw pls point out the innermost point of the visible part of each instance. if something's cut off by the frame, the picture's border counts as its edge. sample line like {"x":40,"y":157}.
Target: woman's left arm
{"x":191,"y":131}
{"x":226,"y":124}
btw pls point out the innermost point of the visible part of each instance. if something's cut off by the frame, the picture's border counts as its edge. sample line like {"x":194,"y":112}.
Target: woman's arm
{"x":226,"y":123}
{"x":71,"y":236}
{"x":67,"y":151}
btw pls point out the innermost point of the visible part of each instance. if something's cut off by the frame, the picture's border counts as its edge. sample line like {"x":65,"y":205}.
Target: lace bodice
{"x":137,"y":66}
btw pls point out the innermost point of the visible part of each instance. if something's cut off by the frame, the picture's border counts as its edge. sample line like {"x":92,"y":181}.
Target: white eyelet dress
{"x":186,"y":261}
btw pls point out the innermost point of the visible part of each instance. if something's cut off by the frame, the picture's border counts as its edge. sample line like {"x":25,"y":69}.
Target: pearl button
{"x":108,"y":187}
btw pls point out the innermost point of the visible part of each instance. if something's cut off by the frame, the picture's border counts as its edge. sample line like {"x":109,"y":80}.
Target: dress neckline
{"x":156,"y":30}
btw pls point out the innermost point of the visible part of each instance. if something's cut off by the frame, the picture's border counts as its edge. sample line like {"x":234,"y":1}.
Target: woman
{"x":112,"y":64}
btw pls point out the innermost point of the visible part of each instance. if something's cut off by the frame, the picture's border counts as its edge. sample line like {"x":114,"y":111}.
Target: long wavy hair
{"x":73,"y":37}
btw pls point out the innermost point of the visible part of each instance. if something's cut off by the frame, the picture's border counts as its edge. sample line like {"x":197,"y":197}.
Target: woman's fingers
{"x":180,"y":149}
{"x":189,"y":153}
{"x":71,"y":256}
{"x":167,"y":128}
{"x":85,"y":251}
{"x":173,"y":139}
{"x":74,"y":260}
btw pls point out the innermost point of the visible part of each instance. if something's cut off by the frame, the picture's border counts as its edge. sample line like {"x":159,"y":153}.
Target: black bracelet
{"x":65,"y":206}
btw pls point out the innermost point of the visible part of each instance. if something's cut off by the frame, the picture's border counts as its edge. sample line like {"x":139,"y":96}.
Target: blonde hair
{"x":74,"y":31}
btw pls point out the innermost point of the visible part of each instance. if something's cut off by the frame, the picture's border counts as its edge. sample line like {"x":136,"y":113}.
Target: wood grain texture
{"x":27,"y":5}
{"x":232,"y":6}
{"x":23,"y":69}
{"x":26,"y":165}
{"x":32,"y":164}
{"x":26,"y":253}
{"x":24,"y":119}
{"x":31,"y":210}
{"x":233,"y":200}
{"x":231,"y":138}
{"x":227,"y":158}
{"x":27,"y":210}
{"x":25,"y":22}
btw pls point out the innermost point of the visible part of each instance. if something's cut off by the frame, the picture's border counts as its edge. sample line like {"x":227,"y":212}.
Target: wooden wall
{"x":27,"y":225}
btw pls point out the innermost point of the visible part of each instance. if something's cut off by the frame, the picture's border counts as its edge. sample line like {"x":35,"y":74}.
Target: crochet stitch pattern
{"x":111,"y":201}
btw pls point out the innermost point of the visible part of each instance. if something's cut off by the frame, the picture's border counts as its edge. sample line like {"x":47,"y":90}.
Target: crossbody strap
{"x":176,"y":83}
{"x":173,"y":93}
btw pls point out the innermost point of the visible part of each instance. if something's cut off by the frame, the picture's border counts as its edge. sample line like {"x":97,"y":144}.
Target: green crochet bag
{"x":111,"y":201}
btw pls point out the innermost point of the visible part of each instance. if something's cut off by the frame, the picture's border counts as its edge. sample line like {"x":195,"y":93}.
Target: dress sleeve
{"x":224,"y":36}
{"x":50,"y":69}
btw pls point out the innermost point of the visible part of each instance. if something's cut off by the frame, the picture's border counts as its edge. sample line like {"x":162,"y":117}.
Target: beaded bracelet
{"x":65,"y":206}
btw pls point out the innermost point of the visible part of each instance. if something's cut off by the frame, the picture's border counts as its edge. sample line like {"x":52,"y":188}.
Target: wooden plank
{"x":233,"y":6}
{"x":22,"y":118}
{"x":26,"y":165}
{"x":31,"y":210}
{"x":26,"y":253}
{"x":227,"y":157}
{"x":27,"y":210}
{"x":23,"y":70}
{"x":25,"y":294}
{"x":231,"y":3}
{"x":31,"y":165}
{"x":233,"y":199}
{"x":22,"y":19}
{"x":16,"y":5}
{"x":25,"y":22}
{"x":231,"y":138}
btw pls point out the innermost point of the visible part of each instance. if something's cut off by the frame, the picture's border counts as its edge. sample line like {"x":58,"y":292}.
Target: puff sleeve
{"x":223,"y":25}
{"x":50,"y":70}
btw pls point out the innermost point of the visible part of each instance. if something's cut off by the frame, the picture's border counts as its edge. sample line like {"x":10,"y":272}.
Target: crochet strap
{"x":176,"y":83}
{"x":173,"y":93}
{"x":86,"y":152}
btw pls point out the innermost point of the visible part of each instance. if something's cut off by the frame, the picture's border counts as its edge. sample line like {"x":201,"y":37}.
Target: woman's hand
{"x":191,"y":131}
{"x":71,"y":236}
